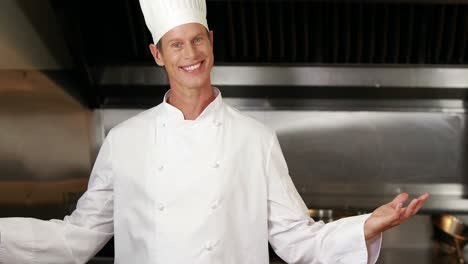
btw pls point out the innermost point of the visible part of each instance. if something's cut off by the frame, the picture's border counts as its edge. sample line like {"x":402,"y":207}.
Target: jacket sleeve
{"x":296,"y":238}
{"x":77,"y":237}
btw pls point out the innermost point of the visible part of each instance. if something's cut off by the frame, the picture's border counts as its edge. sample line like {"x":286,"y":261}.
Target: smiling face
{"x":187,"y":55}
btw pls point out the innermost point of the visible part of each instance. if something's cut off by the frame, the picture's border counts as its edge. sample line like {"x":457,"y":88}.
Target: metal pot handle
{"x":461,"y":260}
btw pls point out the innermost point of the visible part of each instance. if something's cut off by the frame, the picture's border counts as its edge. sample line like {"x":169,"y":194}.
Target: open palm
{"x":392,"y":214}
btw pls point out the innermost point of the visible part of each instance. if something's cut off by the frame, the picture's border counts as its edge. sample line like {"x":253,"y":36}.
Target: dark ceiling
{"x":114,"y":32}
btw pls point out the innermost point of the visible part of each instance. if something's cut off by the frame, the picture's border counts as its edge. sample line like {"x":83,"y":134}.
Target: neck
{"x":191,"y":102}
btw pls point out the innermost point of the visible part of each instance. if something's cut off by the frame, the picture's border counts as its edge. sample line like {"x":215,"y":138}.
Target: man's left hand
{"x":392,"y":214}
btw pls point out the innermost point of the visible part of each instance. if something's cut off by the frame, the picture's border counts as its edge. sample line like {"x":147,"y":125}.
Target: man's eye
{"x":197,"y":40}
{"x":176,"y":45}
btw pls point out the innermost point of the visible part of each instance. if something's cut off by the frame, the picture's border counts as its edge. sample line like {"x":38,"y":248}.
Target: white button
{"x":214,"y":205}
{"x":161,"y":207}
{"x":216,"y":165}
{"x":160,"y":168}
{"x":208,"y":246}
{"x":217,"y":123}
{"x":164,"y":124}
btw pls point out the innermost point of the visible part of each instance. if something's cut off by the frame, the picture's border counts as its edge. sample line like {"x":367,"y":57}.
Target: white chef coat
{"x":211,"y":190}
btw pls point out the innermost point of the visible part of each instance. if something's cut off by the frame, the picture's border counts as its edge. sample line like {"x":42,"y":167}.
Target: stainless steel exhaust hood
{"x":267,"y":44}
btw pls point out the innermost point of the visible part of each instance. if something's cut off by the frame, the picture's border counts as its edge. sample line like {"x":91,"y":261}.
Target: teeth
{"x":193,"y":67}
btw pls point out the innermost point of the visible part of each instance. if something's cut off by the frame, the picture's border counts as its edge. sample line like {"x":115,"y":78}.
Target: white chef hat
{"x":164,"y":15}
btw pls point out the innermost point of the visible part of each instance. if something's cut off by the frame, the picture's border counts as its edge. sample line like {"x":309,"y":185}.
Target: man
{"x":193,"y":180}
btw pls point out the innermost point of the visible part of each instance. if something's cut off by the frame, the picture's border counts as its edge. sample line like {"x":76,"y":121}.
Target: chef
{"x":193,"y":180}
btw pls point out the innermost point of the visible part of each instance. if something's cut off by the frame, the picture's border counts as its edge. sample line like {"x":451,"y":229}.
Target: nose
{"x":190,"y":51}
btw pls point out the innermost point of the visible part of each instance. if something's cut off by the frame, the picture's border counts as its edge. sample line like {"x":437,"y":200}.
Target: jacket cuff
{"x":354,"y":242}
{"x":373,"y":248}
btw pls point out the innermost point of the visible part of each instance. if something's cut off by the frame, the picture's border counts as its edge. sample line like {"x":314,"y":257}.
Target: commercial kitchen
{"x":368,"y":99}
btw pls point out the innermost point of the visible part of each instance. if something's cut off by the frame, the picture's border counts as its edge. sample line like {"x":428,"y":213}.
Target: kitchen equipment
{"x":457,"y":232}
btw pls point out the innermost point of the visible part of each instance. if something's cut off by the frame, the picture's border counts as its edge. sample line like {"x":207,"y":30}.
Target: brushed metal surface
{"x":361,"y":159}
{"x":44,"y":146}
{"x":369,"y":76}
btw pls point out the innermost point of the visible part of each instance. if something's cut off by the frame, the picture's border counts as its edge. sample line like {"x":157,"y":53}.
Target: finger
{"x":397,"y":217}
{"x":423,"y":197}
{"x":421,"y":200}
{"x":399,"y":210}
{"x":420,"y":204}
{"x":401,"y":198}
{"x":411,"y":208}
{"x":402,"y":214}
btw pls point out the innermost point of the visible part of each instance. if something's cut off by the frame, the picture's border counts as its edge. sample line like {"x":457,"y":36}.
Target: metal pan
{"x":456,"y":229}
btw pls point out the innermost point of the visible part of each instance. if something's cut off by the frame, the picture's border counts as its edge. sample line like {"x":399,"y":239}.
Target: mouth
{"x":193,"y":67}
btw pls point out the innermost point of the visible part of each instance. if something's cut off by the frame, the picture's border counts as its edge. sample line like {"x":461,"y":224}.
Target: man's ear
{"x":156,"y":55}
{"x":211,"y":37}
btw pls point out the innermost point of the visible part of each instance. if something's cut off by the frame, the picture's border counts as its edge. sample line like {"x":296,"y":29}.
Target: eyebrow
{"x":179,"y":39}
{"x":200,"y":34}
{"x":173,"y":39}
{"x":205,"y":33}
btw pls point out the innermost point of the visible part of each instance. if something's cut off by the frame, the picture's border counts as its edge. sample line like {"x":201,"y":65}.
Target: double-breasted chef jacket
{"x":211,"y":190}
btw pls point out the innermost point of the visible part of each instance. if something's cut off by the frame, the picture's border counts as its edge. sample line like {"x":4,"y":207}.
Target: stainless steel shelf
{"x":376,"y":76}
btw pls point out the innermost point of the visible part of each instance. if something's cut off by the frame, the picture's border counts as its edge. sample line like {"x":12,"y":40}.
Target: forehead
{"x":183,"y":31}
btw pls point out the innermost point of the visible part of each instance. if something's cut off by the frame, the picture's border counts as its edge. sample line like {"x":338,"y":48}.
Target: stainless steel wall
{"x":359,"y":158}
{"x":45,"y":146}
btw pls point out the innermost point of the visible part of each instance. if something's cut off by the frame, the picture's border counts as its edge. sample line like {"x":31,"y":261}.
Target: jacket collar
{"x":210,"y":113}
